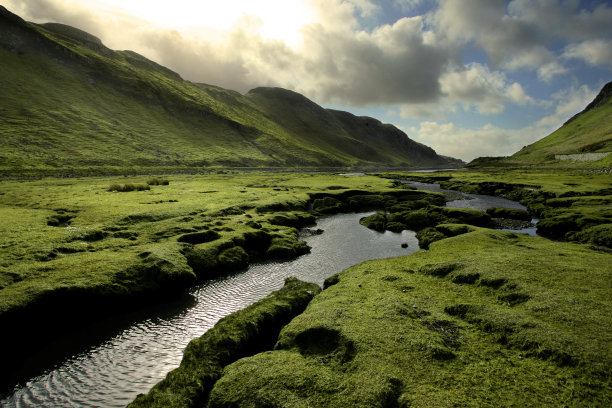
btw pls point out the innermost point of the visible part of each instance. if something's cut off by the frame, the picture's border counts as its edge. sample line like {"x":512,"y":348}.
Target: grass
{"x":60,"y":230}
{"x":486,"y":318}
{"x":483,"y":316}
{"x":72,"y":106}
{"x":572,"y":205}
{"x":71,"y":242}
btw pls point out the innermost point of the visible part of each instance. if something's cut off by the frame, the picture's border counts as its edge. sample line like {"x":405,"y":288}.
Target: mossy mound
{"x":353,"y":200}
{"x":424,"y":217}
{"x":377,"y":222}
{"x":487,"y":318}
{"x":430,"y":235}
{"x":243,"y":333}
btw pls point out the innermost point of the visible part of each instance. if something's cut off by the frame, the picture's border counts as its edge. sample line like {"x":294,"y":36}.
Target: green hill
{"x":70,"y":104}
{"x":583,"y":141}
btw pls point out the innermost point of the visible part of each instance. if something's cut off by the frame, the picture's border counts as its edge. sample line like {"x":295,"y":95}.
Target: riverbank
{"x":485,"y":318}
{"x":571,"y":205}
{"x":481,"y":318}
{"x":76,"y":252}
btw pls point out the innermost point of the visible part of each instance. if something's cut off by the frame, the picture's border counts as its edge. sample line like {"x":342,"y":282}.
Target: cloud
{"x":522,"y":34}
{"x":393,"y":64}
{"x":490,"y":140}
{"x":336,"y":63}
{"x":594,"y":52}
{"x":472,"y":88}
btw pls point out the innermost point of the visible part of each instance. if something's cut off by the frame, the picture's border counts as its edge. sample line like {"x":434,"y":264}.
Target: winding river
{"x":114,"y":368}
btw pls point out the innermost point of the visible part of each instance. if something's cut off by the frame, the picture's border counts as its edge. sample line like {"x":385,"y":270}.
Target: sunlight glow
{"x":272,"y":19}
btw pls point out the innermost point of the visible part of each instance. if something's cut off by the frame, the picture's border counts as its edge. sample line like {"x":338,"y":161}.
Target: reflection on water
{"x":112,"y":373}
{"x":476,"y":201}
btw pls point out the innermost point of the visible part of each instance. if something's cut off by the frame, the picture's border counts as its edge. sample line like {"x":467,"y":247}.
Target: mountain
{"x":584,"y":140}
{"x":69,"y":103}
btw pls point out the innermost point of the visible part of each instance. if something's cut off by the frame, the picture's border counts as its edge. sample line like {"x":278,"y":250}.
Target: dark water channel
{"x":117,"y":367}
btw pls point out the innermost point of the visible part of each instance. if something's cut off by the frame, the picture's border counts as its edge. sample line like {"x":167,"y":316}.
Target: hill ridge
{"x":73,"y":105}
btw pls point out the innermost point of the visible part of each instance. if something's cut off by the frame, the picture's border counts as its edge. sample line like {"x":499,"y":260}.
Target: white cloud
{"x":595,"y":52}
{"x":477,"y":86}
{"x":335,"y":62}
{"x":522,"y":35}
{"x":490,"y":140}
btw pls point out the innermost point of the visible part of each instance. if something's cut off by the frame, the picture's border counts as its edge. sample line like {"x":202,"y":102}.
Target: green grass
{"x":572,"y":205}
{"x":72,"y":106}
{"x":59,"y":233}
{"x":486,"y":318}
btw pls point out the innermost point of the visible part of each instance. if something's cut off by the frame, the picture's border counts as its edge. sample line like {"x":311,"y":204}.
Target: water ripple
{"x":112,"y":373}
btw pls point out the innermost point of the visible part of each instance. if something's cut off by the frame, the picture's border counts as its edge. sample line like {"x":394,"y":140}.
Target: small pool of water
{"x":477,"y":202}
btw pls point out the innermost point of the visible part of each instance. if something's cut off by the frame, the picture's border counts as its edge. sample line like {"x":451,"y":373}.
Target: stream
{"x":112,"y":369}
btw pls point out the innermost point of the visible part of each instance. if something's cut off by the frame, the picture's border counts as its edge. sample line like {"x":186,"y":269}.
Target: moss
{"x":395,"y":226}
{"x":233,"y":258}
{"x":429,"y":235}
{"x":492,"y":319}
{"x":158,"y":182}
{"x":296,"y":219}
{"x":376,"y":221}
{"x":128,"y":187}
{"x":286,"y":248}
{"x":251,"y":330}
{"x":557,"y":226}
{"x":465,"y":216}
{"x":327,"y":205}
{"x":598,"y":235}
{"x":199,"y":237}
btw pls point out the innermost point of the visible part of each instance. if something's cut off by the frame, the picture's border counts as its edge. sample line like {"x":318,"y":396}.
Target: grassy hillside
{"x":69,"y":104}
{"x":588,"y":132}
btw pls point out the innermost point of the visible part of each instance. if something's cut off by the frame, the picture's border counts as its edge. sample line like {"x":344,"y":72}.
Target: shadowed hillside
{"x":71,"y":104}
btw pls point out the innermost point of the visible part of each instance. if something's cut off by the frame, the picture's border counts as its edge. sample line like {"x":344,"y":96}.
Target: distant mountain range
{"x":585,"y":140}
{"x":68,"y":103}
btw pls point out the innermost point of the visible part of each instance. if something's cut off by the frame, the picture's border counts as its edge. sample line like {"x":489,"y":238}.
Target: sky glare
{"x":467,"y":77}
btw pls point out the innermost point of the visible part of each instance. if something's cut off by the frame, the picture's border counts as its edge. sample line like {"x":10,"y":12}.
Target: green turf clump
{"x":598,"y":235}
{"x":59,"y":220}
{"x":365,"y":202}
{"x":377,"y":221}
{"x":88,"y":235}
{"x":233,"y":258}
{"x":430,"y":235}
{"x":240,"y":334}
{"x":286,"y":247}
{"x":128,"y":187}
{"x":465,"y":216}
{"x":158,"y":182}
{"x":491,"y":316}
{"x":199,"y":237}
{"x":327,"y":205}
{"x":296,"y":219}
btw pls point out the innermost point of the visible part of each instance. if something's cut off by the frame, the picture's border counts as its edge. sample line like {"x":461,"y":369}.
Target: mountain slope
{"x":590,"y":131}
{"x":70,"y":103}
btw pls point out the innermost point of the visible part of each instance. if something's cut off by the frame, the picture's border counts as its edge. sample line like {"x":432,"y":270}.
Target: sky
{"x":469,"y":78}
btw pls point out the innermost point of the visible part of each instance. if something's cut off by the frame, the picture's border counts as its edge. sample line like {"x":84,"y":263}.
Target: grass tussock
{"x":158,"y":182}
{"x":128,"y":187}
